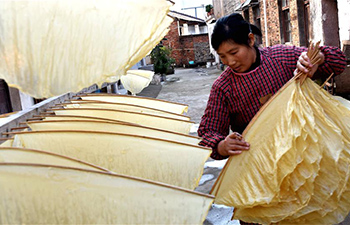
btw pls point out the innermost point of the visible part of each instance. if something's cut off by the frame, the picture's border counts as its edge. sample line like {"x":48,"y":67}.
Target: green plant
{"x":161,"y":59}
{"x":208,"y":8}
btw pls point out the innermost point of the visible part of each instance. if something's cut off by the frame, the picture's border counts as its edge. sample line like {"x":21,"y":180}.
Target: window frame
{"x":285,"y":21}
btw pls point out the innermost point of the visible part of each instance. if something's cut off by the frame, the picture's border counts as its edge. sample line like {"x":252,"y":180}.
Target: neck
{"x":256,"y":60}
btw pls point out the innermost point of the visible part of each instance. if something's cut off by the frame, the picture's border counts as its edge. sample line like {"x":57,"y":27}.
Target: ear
{"x":251,"y":39}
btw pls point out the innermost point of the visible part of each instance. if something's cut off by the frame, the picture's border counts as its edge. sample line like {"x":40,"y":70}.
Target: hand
{"x":304,"y":64}
{"x":233,"y":144}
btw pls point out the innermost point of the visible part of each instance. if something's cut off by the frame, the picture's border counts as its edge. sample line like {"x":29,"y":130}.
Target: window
{"x":184,"y":29}
{"x":192,"y":29}
{"x":246,"y":14}
{"x":203,"y":29}
{"x":285,"y":3}
{"x":286,"y":28}
{"x":256,"y":14}
{"x":306,"y":22}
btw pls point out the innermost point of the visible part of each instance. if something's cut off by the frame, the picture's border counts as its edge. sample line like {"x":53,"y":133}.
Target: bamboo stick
{"x":322,"y":86}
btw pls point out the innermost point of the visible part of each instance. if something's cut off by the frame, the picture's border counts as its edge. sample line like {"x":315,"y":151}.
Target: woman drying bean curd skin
{"x":252,"y":75}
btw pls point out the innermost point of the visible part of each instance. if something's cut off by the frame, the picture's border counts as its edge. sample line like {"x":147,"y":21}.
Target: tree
{"x":161,"y":59}
{"x":209,"y":9}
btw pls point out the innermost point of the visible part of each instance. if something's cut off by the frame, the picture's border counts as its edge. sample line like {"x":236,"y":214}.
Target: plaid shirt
{"x":234,"y":97}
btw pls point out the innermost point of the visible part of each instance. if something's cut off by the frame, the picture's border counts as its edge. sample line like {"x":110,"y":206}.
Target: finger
{"x":243,"y":146}
{"x":233,"y":140}
{"x":236,"y":135}
{"x":313,"y":70}
{"x":305,"y":56}
{"x":234,"y":152}
{"x":301,"y":67}
{"x":304,"y":62}
{"x":295,"y":72}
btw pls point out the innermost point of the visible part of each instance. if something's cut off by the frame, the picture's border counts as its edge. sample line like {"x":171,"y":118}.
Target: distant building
{"x":188,"y":39}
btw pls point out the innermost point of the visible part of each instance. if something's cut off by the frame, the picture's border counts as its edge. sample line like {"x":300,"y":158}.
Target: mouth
{"x":237,"y":68}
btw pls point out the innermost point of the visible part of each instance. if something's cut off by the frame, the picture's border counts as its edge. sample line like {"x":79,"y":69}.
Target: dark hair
{"x":232,"y":28}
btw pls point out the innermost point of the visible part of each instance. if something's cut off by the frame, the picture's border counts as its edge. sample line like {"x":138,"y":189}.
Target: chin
{"x":239,"y":70}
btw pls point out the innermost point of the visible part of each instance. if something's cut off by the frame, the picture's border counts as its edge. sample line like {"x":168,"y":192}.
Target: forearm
{"x":232,"y":144}
{"x":215,"y":122}
{"x":334,"y":61}
{"x":212,"y":139}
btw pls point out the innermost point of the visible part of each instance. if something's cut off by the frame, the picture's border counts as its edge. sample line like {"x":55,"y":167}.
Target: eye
{"x":222,"y":56}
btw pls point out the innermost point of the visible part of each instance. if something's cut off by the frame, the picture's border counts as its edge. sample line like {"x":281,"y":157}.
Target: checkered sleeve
{"x":215,"y":122}
{"x":289,"y":55}
{"x":334,"y":61}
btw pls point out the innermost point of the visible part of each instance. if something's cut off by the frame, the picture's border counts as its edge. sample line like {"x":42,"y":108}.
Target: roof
{"x":246,"y":4}
{"x":185,"y":17}
{"x":239,"y":7}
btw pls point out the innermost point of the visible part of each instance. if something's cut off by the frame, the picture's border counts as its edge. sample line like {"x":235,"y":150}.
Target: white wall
{"x":316,"y":21}
{"x":212,"y":50}
{"x":344,"y":19}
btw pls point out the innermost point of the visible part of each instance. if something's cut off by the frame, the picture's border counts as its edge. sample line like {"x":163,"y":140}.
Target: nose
{"x":231,"y":62}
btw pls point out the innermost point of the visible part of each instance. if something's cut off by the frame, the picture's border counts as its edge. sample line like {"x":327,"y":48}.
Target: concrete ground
{"x":187,"y":86}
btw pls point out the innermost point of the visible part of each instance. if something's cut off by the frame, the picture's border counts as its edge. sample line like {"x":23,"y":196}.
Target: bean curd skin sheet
{"x":127,"y":154}
{"x":32,"y":156}
{"x":49,"y":48}
{"x":58,"y":195}
{"x":112,"y":127}
{"x":297,"y":169}
{"x":137,"y":100}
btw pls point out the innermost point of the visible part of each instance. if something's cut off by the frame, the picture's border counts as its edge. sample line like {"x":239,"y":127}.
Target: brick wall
{"x":218,"y":8}
{"x":273,"y":20}
{"x":172,"y":41}
{"x":225,"y":7}
{"x":293,"y":10}
{"x":202,"y":49}
{"x":262,"y":22}
{"x":323,"y":21}
{"x":172,"y":38}
{"x":187,"y":48}
{"x":273,"y":23}
{"x":230,"y":6}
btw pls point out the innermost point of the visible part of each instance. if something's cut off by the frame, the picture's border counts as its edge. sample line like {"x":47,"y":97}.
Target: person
{"x":252,"y":75}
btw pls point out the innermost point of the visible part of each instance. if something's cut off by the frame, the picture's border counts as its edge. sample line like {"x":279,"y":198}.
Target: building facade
{"x":297,"y":22}
{"x":281,"y":21}
{"x":293,"y":22}
{"x":188,"y":40}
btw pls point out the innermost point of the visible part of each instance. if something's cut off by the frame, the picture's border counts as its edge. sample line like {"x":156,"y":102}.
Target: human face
{"x":237,"y":57}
